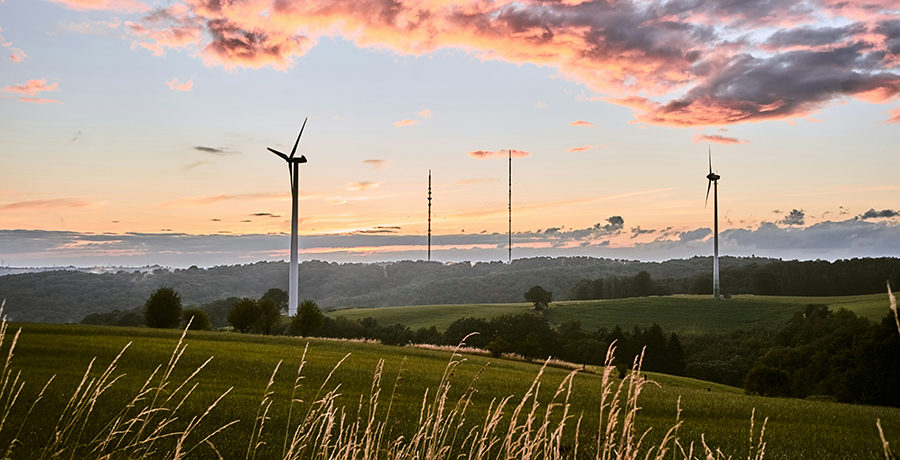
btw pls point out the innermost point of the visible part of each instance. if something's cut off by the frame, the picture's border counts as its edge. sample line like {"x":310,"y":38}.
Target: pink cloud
{"x":895,"y":116}
{"x":485,"y":155}
{"x":180,"y":86}
{"x":718,"y":139}
{"x":696,"y":73}
{"x":32,"y":87}
{"x":105,"y":5}
{"x":579,"y":149}
{"x":406,"y":122}
{"x":17,"y":55}
{"x":426,"y":114}
{"x":581,"y":123}
{"x":38,"y":100}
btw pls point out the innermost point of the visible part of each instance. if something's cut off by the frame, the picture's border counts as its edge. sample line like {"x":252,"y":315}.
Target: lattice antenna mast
{"x":429,"y":215}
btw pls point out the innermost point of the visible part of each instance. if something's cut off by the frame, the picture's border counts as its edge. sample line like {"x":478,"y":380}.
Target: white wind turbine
{"x":714,"y":184}
{"x":293,"y":169}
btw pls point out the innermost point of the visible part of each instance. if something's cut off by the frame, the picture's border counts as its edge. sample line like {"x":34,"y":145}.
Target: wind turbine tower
{"x":714,"y":184}
{"x":429,"y":215}
{"x":293,"y":165}
{"x":510,"y":207}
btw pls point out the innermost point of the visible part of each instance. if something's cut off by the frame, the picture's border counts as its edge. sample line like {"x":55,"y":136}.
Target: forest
{"x":68,"y":296}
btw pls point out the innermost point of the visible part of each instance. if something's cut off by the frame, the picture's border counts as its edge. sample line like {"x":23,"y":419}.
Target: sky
{"x":134,"y":132}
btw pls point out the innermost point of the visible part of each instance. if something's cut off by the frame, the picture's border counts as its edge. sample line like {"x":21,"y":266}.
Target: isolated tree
{"x":198,"y":319}
{"x":163,"y":308}
{"x":308,"y":318}
{"x":244,"y":315}
{"x":539,"y":297}
{"x":269,"y":315}
{"x":279,"y":296}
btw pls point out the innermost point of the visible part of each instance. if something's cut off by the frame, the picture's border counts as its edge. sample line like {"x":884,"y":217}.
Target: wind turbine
{"x":714,"y":184}
{"x":293,"y":166}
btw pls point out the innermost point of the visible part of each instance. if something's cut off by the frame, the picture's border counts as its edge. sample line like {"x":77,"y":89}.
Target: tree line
{"x":778,"y":278}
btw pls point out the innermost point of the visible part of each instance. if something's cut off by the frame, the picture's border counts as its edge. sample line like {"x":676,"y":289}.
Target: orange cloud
{"x":426,"y":114}
{"x":579,"y":149}
{"x":581,"y":123}
{"x":718,"y":139}
{"x":484,"y":154}
{"x":180,"y":86}
{"x":107,"y":5}
{"x":32,"y":87}
{"x":406,"y":122}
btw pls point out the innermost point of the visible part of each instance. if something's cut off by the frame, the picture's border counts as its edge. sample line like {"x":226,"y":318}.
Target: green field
{"x":797,"y":429}
{"x":681,"y":313}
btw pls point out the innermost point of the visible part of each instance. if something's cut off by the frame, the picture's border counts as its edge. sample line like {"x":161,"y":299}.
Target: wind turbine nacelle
{"x":713,"y":176}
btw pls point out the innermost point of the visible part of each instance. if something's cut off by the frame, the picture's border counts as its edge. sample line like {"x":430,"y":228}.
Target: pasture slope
{"x":797,"y":429}
{"x":678,"y":313}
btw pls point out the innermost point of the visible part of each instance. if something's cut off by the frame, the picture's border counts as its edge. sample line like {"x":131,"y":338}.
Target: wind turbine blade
{"x":707,"y":194}
{"x":710,"y":161}
{"x":298,"y":137}
{"x":276,"y":152}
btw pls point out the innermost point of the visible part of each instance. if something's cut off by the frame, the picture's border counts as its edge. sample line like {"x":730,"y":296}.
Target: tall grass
{"x":154,"y":422}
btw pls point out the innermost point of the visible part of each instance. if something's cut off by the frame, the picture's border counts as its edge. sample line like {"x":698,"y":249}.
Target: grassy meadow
{"x":680,"y":313}
{"x":242,"y":366}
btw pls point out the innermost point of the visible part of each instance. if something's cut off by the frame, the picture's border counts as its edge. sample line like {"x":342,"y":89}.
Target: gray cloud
{"x":638,"y":231}
{"x":215,"y":151}
{"x":795,"y":217}
{"x":873,"y":214}
{"x":694,"y":235}
{"x":825,"y":240}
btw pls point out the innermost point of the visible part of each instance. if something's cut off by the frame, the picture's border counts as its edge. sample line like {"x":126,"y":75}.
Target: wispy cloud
{"x":105,"y":5}
{"x":581,"y":123}
{"x":195,"y":164}
{"x":32,"y":87}
{"x":580,"y":149}
{"x":222,"y":151}
{"x":38,"y":100}
{"x":718,"y":139}
{"x":208,"y":200}
{"x":362,"y":185}
{"x":17,"y":55}
{"x":56,"y":203}
{"x":486,"y":154}
{"x":180,"y":86}
{"x":540,"y":105}
{"x":426,"y":114}
{"x":406,"y":122}
{"x":378,"y":164}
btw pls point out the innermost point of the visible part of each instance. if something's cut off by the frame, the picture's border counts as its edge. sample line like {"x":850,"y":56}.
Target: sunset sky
{"x":135,"y":132}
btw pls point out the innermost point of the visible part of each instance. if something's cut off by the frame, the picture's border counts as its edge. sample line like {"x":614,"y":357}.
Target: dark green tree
{"x":163,"y":308}
{"x":539,"y":297}
{"x":308,"y":318}
{"x":244,"y":315}
{"x":279,"y":296}
{"x":498,"y":346}
{"x":198,"y":318}
{"x":269,"y":315}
